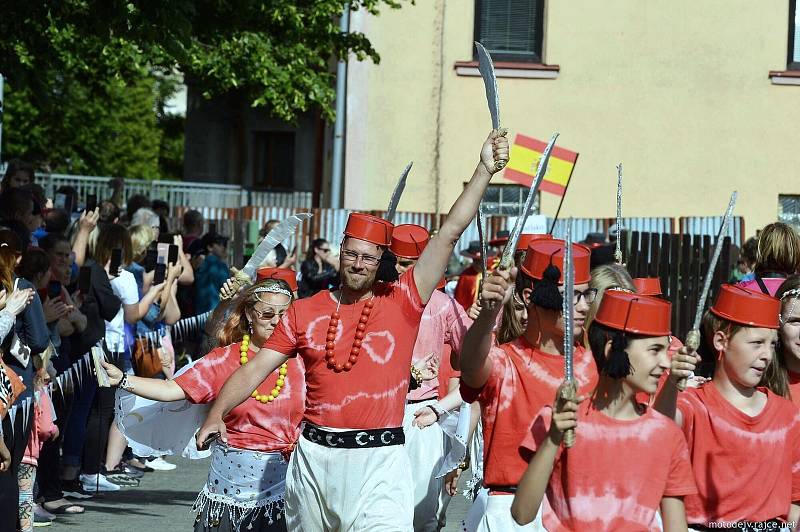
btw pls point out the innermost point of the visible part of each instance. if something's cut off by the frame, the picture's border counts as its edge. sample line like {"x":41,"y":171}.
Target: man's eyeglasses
{"x":325,"y":250}
{"x":352,"y":256}
{"x":589,"y":296}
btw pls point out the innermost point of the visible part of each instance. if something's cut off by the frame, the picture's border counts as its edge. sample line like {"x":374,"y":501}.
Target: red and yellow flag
{"x":524,"y":158}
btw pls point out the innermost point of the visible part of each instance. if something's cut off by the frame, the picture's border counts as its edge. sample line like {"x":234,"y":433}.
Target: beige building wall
{"x":678,"y":91}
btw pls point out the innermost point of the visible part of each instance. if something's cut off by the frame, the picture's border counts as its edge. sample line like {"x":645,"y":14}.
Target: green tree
{"x":80,"y":73}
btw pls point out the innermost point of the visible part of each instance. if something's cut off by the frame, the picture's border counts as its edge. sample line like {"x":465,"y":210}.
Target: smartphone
{"x":160,"y":274}
{"x":53,"y":289}
{"x":150,"y":260}
{"x":116,"y":261}
{"x":91,"y":202}
{"x":61,"y":201}
{"x":85,"y":279}
{"x":163,"y":252}
{"x":173,"y":254}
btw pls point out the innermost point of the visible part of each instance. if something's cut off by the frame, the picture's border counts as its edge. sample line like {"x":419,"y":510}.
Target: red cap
{"x":284,"y":274}
{"x":408,"y":241}
{"x":500,"y":239}
{"x":747,"y":307}
{"x":525,"y":240}
{"x":634,"y":313}
{"x":648,"y":286}
{"x":369,"y":228}
{"x":541,"y":252}
{"x":442,"y":283}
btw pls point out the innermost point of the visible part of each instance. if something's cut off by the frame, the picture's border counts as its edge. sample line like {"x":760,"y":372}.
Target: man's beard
{"x":357,"y":283}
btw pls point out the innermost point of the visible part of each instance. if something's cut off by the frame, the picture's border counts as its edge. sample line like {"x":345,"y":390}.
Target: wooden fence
{"x":680,"y":262}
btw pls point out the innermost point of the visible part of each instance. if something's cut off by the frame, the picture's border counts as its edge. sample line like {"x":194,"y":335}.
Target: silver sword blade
{"x":486,"y":68}
{"x":701,"y":304}
{"x":398,"y":192}
{"x":278,"y":234}
{"x":482,"y":239}
{"x":568,"y":307}
{"x":507,"y":258}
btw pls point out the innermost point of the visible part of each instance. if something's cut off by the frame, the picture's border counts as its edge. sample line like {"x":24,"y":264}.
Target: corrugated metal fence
{"x":330,"y":223}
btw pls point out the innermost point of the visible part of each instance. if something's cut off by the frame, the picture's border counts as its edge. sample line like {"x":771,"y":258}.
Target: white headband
{"x":789,"y":293}
{"x":272,"y":289}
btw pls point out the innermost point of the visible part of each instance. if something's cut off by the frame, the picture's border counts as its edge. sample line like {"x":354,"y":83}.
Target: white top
{"x":125,"y":289}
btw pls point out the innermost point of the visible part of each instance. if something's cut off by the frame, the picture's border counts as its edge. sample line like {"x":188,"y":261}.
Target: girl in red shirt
{"x":744,"y":440}
{"x":628,"y":461}
{"x":245,"y":486}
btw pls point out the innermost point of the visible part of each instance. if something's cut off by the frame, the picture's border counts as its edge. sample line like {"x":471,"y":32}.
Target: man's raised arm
{"x":236,"y":390}
{"x":431,"y":266}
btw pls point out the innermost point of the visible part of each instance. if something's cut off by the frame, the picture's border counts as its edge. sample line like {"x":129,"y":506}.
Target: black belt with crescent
{"x":354,"y":439}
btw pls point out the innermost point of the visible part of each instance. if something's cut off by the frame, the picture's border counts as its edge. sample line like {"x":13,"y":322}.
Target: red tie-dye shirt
{"x":443,"y":322}
{"x":746,"y":468}
{"x":371,"y":395}
{"x":269,"y":427}
{"x":616,"y":474}
{"x":522,"y":381}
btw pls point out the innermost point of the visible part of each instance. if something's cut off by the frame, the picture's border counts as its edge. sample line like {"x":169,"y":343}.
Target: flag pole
{"x":561,"y":202}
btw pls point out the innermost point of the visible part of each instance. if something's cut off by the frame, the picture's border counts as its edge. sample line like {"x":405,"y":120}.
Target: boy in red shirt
{"x":349,"y":470}
{"x":628,"y":460}
{"x":744,"y":441}
{"x":513,"y":381}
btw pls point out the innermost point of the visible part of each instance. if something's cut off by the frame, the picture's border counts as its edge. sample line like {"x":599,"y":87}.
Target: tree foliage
{"x":277,"y":52}
{"x":86,"y":80}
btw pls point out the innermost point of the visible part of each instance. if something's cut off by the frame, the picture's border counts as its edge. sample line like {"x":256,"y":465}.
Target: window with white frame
{"x":507,"y":200}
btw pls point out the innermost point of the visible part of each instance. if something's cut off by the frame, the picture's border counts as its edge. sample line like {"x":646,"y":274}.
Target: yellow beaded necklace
{"x":244,"y":348}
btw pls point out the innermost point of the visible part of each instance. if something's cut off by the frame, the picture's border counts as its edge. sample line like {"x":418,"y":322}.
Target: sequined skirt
{"x":244,"y":491}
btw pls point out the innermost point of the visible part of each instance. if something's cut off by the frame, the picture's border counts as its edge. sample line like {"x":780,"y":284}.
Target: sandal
{"x":68,"y":509}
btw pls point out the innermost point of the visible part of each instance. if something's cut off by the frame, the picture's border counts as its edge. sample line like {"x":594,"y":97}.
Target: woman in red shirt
{"x":245,"y":485}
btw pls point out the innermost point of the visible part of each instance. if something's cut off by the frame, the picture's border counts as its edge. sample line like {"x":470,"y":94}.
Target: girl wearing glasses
{"x":246,"y":480}
{"x":320,"y":270}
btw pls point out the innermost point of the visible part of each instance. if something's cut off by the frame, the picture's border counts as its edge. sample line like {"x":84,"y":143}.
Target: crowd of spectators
{"x":78,"y":272}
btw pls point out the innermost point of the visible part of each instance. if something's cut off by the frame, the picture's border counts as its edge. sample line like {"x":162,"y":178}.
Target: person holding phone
{"x":320,"y":270}
{"x":114,"y":249}
{"x":261,"y":433}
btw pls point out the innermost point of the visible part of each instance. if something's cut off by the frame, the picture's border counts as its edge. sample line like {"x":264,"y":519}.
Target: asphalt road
{"x":163,"y":500}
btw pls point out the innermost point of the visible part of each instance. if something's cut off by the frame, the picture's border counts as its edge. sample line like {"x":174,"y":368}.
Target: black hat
{"x":472,"y":251}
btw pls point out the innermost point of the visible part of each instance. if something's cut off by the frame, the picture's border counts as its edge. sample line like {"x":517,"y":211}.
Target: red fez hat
{"x":525,"y":240}
{"x":634,"y":313}
{"x":541,"y":253}
{"x":369,"y":228}
{"x":408,"y":241}
{"x":747,"y":307}
{"x":500,"y":239}
{"x":283,"y":274}
{"x":442,"y":283}
{"x":648,"y":286}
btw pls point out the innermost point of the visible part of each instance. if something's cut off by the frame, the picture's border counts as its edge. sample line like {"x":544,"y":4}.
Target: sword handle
{"x":692,"y":342}
{"x":569,"y":393}
{"x":499,"y":165}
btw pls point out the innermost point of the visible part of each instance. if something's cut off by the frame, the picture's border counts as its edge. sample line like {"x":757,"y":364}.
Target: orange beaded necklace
{"x":355,"y":350}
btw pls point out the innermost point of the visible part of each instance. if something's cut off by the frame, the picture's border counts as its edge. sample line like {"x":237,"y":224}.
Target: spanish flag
{"x":524,"y":159}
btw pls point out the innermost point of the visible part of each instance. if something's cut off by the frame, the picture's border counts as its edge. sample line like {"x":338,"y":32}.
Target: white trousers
{"x":426,"y":449}
{"x":348,"y":490}
{"x":497,"y":517}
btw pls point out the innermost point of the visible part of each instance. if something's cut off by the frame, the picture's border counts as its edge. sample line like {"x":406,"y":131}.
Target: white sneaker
{"x":97,"y":482}
{"x":159,"y":464}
